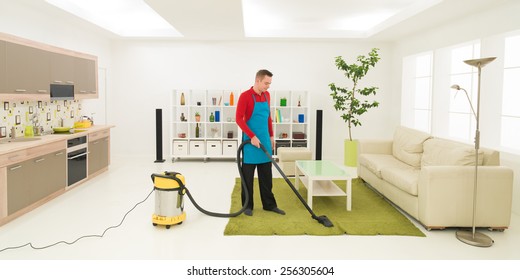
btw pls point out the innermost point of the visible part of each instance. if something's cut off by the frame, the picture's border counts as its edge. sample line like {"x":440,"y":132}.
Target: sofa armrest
{"x":446,"y":196}
{"x":375,"y":147}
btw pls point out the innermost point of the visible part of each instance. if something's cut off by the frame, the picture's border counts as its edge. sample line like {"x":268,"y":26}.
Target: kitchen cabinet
{"x":27,"y":69}
{"x":85,"y":81}
{"x":3,"y":85}
{"x":99,"y":151}
{"x":61,"y":69}
{"x":32,"y":180}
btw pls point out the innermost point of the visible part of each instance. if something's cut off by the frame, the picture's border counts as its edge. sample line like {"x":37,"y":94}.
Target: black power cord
{"x":82,"y":237}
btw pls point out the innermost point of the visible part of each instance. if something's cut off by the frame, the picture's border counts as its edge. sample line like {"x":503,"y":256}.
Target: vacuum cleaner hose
{"x":321,"y":219}
{"x":243,"y":184}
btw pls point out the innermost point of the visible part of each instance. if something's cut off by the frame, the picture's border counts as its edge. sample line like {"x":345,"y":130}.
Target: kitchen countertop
{"x":8,"y":147}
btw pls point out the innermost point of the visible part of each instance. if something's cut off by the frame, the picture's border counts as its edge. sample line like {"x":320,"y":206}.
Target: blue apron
{"x":258,"y":124}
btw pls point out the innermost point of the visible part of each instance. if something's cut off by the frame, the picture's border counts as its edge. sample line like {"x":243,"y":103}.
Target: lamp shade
{"x":479,"y":62}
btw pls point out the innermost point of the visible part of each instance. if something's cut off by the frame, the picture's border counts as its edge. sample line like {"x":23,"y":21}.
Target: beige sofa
{"x":432,"y":179}
{"x":288,"y":155}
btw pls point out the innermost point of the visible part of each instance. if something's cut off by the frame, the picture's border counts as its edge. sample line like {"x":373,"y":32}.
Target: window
{"x":462,"y":122}
{"x":417,"y":92}
{"x":423,"y":92}
{"x":510,"y":131}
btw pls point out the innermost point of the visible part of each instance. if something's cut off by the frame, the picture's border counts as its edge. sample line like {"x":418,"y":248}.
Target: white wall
{"x":490,"y":27}
{"x":146,"y":73}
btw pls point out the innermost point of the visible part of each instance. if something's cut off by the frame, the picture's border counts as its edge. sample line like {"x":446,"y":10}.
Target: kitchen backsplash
{"x":47,"y":114}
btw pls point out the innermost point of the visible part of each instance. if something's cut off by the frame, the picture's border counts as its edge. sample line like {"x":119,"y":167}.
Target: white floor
{"x":102,"y":202}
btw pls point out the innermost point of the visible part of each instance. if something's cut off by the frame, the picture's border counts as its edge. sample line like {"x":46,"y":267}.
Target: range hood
{"x":62,"y":92}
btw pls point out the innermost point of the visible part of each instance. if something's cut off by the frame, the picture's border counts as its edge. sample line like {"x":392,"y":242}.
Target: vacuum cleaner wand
{"x":321,"y":219}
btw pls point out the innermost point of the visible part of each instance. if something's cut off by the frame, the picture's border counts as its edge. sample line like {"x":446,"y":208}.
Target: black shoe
{"x":277,"y":210}
{"x":248,"y":212}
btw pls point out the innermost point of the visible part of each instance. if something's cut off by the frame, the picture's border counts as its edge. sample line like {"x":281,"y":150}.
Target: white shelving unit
{"x":217,"y":138}
{"x":220,"y":138}
{"x":291,"y":119}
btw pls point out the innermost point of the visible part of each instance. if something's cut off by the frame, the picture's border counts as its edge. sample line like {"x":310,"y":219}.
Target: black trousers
{"x":265,"y":181}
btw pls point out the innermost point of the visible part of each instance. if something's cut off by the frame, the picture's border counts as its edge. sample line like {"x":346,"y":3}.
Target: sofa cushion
{"x":438,"y":151}
{"x":294,"y":153}
{"x":408,"y":145}
{"x":404,"y":177}
{"x":374,"y":162}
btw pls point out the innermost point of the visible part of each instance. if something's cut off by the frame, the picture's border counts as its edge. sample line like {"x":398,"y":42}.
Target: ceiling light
{"x":127,"y":18}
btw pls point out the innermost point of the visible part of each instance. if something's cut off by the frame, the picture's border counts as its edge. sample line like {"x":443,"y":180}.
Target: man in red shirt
{"x":253,"y":116}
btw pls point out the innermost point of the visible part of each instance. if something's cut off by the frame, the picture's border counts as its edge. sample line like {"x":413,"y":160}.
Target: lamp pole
{"x":476,"y":238}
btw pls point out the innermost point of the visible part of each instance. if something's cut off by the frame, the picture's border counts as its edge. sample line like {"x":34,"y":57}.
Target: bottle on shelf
{"x":197,"y":131}
{"x":211,"y":117}
{"x":183,"y":100}
{"x":231,"y":99}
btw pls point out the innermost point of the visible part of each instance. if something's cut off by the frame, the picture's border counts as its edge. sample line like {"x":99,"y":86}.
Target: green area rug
{"x":370,"y":215}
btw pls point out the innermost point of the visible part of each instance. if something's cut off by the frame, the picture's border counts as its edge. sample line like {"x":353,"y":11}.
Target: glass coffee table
{"x":318,"y":177}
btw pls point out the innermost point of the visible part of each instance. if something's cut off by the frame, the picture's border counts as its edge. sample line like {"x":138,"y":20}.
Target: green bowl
{"x":61,"y":129}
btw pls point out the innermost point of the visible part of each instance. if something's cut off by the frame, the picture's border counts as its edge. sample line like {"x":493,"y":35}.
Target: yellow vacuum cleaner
{"x":169,"y":187}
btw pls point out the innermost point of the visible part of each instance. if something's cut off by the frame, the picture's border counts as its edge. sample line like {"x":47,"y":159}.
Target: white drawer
{"x":229,"y":147}
{"x":180,"y":148}
{"x":214,"y":148}
{"x":197,"y":148}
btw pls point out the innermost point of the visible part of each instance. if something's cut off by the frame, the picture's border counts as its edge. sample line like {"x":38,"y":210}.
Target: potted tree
{"x":350,"y":101}
{"x":197,"y":116}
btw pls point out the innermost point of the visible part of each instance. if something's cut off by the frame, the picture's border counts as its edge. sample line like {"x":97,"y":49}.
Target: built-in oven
{"x":77,"y":152}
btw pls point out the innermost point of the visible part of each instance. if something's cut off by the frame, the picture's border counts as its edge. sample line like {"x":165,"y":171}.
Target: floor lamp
{"x":475,"y":238}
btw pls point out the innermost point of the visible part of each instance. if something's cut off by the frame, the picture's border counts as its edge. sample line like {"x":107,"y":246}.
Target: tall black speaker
{"x":319,"y":133}
{"x":158,"y":136}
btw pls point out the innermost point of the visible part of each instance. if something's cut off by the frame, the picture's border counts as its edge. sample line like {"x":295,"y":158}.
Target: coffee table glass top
{"x":322,"y":168}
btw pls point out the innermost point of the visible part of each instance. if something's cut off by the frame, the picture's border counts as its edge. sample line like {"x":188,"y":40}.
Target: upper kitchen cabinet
{"x":62,"y":69}
{"x":27,"y":69}
{"x":2,"y":67}
{"x":85,"y":78}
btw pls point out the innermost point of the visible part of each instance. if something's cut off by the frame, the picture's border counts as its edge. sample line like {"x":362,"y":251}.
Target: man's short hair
{"x":262,"y":73}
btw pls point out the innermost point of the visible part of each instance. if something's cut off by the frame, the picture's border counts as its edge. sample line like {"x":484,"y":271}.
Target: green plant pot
{"x":351,"y":152}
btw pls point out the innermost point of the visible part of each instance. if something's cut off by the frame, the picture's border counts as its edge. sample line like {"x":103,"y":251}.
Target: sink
{"x":21,"y":139}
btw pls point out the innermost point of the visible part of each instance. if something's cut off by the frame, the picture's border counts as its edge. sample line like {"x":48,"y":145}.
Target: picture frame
{"x":6,"y":106}
{"x":17,"y":119}
{"x":40,"y":104}
{"x":72,"y":114}
{"x":48,"y":116}
{"x":58,"y":108}
{"x":31,"y":110}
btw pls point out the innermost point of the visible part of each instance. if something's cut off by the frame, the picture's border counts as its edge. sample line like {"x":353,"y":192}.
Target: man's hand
{"x":255,"y":141}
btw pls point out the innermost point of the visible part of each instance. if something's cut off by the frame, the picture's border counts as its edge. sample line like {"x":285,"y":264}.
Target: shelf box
{"x":282,"y":143}
{"x":197,"y":148}
{"x":180,"y":147}
{"x":299,"y":144}
{"x":213,"y":148}
{"x":229,"y":147}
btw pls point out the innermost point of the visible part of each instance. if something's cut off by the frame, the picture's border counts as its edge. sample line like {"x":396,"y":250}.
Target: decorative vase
{"x":197,"y":118}
{"x":351,"y":152}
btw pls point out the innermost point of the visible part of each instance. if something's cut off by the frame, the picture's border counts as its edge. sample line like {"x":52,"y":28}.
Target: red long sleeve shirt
{"x":245,"y":108}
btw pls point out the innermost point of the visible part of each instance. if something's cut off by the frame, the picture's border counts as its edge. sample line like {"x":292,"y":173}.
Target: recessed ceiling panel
{"x":326,"y":18}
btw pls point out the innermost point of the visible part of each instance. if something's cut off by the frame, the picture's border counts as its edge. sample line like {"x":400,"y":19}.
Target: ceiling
{"x":310,"y":19}
{"x":307,"y":19}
